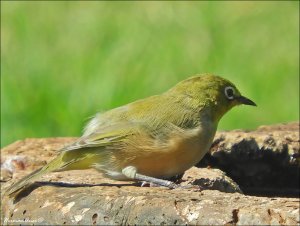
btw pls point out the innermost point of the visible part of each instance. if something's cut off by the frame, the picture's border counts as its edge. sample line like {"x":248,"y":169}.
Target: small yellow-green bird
{"x":151,"y":139}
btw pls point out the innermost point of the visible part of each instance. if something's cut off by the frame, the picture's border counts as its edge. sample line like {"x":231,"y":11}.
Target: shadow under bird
{"x":151,"y":139}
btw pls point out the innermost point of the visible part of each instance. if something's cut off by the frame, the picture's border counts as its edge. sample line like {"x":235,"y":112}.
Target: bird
{"x":152,"y":139}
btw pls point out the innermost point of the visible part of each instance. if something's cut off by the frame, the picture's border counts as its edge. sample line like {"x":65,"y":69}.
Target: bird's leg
{"x":131,"y":172}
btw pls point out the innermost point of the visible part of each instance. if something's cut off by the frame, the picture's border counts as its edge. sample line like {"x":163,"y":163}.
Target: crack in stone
{"x":235,"y":217}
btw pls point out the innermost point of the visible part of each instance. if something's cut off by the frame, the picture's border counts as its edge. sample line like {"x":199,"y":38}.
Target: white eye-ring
{"x":229,"y":92}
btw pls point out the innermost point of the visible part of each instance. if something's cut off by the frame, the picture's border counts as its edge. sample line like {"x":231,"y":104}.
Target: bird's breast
{"x":174,"y":156}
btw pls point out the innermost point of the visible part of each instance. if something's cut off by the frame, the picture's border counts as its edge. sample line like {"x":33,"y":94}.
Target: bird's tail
{"x":68,"y":160}
{"x":27,"y":180}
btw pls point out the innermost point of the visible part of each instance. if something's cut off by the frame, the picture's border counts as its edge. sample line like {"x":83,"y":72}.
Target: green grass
{"x":61,"y":62}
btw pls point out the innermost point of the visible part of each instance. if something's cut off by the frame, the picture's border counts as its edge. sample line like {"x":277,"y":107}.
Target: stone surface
{"x":207,"y":178}
{"x":85,"y":197}
{"x":110,"y":205}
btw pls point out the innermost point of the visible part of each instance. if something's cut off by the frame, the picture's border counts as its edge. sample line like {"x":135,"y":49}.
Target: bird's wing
{"x":111,"y":128}
{"x":116,"y":135}
{"x":105,"y":136}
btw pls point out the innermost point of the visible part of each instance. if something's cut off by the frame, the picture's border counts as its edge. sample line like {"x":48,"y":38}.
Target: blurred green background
{"x":61,"y":62}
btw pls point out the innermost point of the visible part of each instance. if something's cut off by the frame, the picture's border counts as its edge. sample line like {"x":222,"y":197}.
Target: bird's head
{"x":211,"y":93}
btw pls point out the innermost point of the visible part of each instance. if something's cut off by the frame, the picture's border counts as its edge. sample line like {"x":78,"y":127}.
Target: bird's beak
{"x":246,"y":101}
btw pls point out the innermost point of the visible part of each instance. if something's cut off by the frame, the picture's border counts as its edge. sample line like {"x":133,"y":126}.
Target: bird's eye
{"x":229,"y":92}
